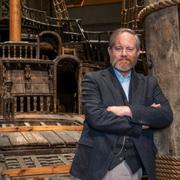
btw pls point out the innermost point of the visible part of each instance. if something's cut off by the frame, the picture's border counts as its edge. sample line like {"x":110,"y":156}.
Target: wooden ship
{"x":43,"y":58}
{"x":42,"y":62}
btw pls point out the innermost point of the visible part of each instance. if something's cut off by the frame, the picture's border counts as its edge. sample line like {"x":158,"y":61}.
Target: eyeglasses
{"x":121,"y":49}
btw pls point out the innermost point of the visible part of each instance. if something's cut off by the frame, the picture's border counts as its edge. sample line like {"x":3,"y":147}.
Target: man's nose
{"x":124,"y":52}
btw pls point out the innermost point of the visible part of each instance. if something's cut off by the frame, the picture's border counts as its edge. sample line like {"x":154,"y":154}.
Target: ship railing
{"x":19,"y":50}
{"x":39,"y":17}
{"x":34,"y":14}
{"x":33,"y":103}
{"x":97,"y":36}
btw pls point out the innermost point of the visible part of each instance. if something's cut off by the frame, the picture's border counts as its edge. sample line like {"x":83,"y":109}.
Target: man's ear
{"x":138,"y":52}
{"x":109,"y":50}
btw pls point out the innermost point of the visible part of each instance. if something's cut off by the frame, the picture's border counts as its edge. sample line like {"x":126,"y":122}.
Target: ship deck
{"x":36,"y":146}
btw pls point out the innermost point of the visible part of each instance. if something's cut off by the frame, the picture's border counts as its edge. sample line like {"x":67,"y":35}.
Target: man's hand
{"x":120,"y":110}
{"x":154,"y":105}
{"x":126,"y":111}
{"x":145,"y":127}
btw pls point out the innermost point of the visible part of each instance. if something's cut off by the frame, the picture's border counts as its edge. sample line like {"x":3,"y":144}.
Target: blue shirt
{"x":125,"y":81}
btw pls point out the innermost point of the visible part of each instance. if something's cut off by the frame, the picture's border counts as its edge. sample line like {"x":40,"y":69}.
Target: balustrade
{"x":36,"y":103}
{"x":22,"y":50}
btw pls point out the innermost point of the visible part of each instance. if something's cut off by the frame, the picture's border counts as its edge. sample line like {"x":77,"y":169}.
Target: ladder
{"x":60,"y":9}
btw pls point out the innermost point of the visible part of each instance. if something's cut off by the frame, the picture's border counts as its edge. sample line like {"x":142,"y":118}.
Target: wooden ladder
{"x":60,"y":9}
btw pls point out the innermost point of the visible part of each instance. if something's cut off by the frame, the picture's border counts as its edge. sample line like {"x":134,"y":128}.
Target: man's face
{"x":124,"y":53}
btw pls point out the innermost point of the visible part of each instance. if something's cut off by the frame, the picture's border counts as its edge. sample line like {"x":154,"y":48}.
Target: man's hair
{"x":120,"y":31}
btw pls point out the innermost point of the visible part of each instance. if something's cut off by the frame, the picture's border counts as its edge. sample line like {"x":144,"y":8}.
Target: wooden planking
{"x":7,"y":125}
{"x":40,"y":138}
{"x":62,"y":169}
{"x":27,"y":161}
{"x":21,"y":162}
{"x":30,"y":161}
{"x":40,"y":128}
{"x":66,"y":157}
{"x":65,"y":137}
{"x":38,"y":165}
{"x":25,"y":138}
{"x":52,"y":138}
{"x":35,"y":161}
{"x":50,"y":160}
{"x":12,"y":163}
{"x":29,"y":136}
{"x":74,"y":134}
{"x":44,"y":177}
{"x":16,"y":138}
{"x":63,"y":159}
{"x":4,"y":140}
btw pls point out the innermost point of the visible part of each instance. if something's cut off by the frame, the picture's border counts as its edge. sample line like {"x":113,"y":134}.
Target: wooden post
{"x":15,"y":20}
{"x":163,"y":47}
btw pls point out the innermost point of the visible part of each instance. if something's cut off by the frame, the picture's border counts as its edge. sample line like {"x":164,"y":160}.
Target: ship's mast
{"x":15,"y":20}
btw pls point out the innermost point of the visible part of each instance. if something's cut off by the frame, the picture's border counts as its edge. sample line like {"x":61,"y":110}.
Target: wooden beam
{"x":62,"y":169}
{"x":95,"y":2}
{"x":40,"y":128}
{"x":15,"y":20}
{"x":92,"y":2}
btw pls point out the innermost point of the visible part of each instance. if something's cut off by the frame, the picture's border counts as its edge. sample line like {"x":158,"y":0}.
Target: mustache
{"x":119,"y":59}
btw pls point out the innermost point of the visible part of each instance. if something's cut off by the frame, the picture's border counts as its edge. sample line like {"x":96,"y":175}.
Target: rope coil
{"x":167,"y":167}
{"x":154,"y":7}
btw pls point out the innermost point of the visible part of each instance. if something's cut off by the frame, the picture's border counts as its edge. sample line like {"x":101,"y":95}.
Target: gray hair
{"x":120,"y":31}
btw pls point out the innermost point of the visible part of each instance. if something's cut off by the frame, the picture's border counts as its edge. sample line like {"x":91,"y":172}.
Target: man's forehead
{"x":125,"y":34}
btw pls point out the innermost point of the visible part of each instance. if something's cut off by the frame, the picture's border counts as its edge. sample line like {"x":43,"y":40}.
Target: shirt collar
{"x":120,"y":75}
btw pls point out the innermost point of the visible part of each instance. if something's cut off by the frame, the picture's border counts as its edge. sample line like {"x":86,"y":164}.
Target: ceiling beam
{"x":81,"y":3}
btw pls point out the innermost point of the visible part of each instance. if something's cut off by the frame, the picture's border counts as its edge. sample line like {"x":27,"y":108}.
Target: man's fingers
{"x":109,"y":108}
{"x":156,"y":105}
{"x":145,"y":127}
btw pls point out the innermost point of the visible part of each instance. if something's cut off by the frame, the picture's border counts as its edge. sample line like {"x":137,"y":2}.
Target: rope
{"x":167,"y":167}
{"x":154,"y":7}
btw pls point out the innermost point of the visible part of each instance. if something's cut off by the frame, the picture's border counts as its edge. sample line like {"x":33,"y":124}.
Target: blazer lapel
{"x":114,"y":86}
{"x":133,"y":87}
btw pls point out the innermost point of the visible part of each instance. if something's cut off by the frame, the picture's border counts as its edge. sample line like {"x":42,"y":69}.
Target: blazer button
{"x":121,"y":158}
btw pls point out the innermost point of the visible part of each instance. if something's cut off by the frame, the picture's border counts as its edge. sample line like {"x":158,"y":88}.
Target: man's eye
{"x":129,"y":49}
{"x":118,"y":48}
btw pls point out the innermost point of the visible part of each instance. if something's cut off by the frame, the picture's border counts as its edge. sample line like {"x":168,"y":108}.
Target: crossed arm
{"x":126,"y":111}
{"x":122,"y":119}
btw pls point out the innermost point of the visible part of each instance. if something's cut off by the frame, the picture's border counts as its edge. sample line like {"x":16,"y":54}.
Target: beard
{"x":123,"y":65}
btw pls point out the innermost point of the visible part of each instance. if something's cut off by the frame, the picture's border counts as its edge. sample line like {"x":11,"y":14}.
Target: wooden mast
{"x":15,"y":20}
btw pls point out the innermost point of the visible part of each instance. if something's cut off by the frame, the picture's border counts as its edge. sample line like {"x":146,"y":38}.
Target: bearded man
{"x":122,"y":109}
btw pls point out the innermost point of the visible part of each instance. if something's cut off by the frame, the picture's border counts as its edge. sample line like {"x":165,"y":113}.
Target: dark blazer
{"x":101,"y":128}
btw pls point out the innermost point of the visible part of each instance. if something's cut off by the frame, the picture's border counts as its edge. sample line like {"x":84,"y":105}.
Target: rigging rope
{"x":155,"y":7}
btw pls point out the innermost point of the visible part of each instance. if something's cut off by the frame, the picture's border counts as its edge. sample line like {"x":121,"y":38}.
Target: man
{"x":122,"y":108}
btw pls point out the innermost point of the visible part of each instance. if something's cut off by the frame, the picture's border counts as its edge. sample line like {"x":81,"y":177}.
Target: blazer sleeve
{"x":153,"y":117}
{"x":96,"y":115}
